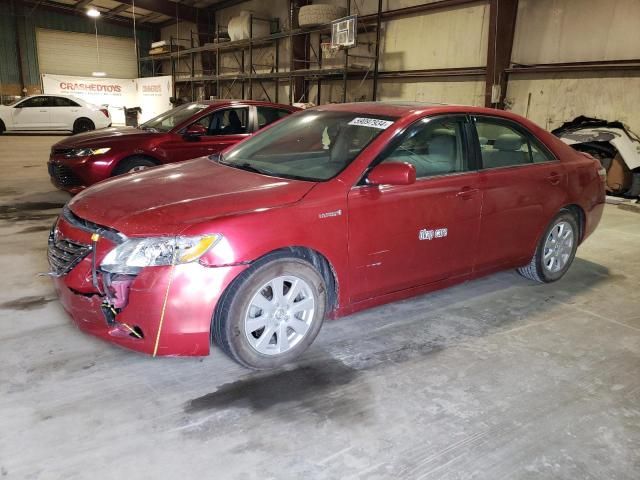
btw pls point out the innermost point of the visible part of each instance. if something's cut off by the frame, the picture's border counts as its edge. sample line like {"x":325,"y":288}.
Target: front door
{"x":224,"y":128}
{"x":32,"y":114}
{"x":410,"y":235}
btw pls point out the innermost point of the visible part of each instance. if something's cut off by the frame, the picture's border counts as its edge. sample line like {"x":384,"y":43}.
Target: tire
{"x":83,"y":125}
{"x":132,"y":165}
{"x":313,"y":15}
{"x":250,"y":335}
{"x":2,"y":127}
{"x":545,"y":267}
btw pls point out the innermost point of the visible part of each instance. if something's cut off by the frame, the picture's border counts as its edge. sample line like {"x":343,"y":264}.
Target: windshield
{"x":314,"y":145}
{"x":172,"y":118}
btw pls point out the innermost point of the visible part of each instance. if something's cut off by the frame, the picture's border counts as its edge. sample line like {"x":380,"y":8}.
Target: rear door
{"x":268,"y":115}
{"x":410,"y":235}
{"x":64,"y":112}
{"x":32,"y":114}
{"x":522,"y":185}
{"x":224,"y":127}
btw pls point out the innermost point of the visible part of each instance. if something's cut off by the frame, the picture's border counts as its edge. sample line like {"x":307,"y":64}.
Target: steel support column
{"x":502,"y":23}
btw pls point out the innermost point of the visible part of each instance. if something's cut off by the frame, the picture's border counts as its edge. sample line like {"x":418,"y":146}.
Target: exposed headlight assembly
{"x":85,"y":152}
{"x":137,"y":253}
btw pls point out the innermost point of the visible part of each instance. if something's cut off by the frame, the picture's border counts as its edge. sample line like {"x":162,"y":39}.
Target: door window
{"x":434,"y":147}
{"x":35,"y":102}
{"x":231,"y":121}
{"x":503,"y":145}
{"x":63,"y":102}
{"x":267,"y":115}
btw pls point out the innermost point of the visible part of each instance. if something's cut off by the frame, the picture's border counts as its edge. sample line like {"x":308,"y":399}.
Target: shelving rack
{"x":218,"y":83}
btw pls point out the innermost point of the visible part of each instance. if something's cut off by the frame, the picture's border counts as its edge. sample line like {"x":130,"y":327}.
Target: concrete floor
{"x":495,"y":379}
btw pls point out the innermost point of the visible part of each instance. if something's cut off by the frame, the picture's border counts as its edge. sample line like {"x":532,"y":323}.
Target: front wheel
{"x":556,"y":250}
{"x":132,"y":165}
{"x":271,"y":314}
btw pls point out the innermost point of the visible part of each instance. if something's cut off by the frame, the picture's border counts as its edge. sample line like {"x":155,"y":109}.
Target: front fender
{"x":320,"y":226}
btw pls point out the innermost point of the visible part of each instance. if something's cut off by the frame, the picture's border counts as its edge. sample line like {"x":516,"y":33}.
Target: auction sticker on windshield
{"x":371,"y":122}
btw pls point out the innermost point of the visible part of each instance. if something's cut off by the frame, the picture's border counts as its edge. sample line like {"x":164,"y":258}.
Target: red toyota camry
{"x":330,"y":211}
{"x":188,"y":131}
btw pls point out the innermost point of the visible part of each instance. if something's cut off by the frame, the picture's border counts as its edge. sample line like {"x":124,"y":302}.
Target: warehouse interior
{"x":496,"y":377}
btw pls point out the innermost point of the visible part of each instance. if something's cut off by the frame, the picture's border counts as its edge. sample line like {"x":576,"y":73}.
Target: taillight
{"x":602,"y":172}
{"x":105,"y":111}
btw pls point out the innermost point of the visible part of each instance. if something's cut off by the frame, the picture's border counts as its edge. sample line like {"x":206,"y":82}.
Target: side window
{"x":231,"y":121}
{"x":35,"y":102}
{"x":433,"y":147}
{"x":205,"y":122}
{"x":503,"y":146}
{"x":267,"y":115}
{"x":538,"y":154}
{"x":63,"y":102}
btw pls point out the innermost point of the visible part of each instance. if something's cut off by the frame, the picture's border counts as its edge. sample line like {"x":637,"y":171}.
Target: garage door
{"x":68,"y":53}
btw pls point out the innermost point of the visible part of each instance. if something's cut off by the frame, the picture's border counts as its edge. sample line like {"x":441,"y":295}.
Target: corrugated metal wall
{"x":25,"y":21}
{"x":9,"y":73}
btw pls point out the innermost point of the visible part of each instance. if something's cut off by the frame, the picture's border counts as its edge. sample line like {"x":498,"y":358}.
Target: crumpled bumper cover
{"x":183,"y":328}
{"x":170,"y":306}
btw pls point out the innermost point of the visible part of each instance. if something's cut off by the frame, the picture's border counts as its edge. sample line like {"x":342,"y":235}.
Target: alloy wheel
{"x":558,"y":247}
{"x":279,"y":315}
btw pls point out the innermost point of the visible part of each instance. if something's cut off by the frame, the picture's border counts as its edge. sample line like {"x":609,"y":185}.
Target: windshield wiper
{"x":250,"y":168}
{"x":246,"y":166}
{"x":148,"y":129}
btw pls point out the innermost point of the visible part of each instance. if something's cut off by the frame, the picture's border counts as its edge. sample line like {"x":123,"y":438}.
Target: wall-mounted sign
{"x":151,"y":94}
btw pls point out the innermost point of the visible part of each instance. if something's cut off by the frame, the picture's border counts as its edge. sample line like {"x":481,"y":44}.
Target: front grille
{"x":64,"y":254}
{"x":63,"y":175}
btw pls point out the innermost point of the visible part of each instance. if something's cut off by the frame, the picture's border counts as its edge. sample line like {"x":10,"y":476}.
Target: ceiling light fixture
{"x":93,"y":12}
{"x":99,"y":74}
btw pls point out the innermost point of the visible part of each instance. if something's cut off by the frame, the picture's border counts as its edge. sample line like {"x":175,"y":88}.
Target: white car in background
{"x":52,"y":112}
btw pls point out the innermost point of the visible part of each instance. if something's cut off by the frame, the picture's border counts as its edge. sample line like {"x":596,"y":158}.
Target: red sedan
{"x":330,"y":211}
{"x":188,"y":131}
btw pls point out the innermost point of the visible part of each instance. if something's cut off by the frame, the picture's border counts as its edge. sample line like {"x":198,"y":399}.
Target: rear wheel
{"x":132,"y":165}
{"x":83,"y":125}
{"x":271,"y":314}
{"x":2,"y":127}
{"x":556,"y":250}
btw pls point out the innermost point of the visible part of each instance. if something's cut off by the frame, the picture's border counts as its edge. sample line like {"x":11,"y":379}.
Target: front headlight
{"x":137,"y":253}
{"x":85,"y":152}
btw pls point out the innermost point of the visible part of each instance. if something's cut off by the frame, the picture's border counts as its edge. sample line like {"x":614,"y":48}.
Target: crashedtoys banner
{"x":150,"y":94}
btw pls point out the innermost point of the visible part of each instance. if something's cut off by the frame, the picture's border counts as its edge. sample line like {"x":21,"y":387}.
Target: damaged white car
{"x":614,"y":144}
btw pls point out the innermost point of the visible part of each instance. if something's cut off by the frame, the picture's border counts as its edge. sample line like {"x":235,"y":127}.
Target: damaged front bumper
{"x":164,"y":310}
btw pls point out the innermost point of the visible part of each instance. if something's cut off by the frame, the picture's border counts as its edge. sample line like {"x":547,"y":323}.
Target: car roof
{"x":405,"y":108}
{"x":233,"y":101}
{"x":50,"y":95}
{"x":392,"y":109}
{"x":402,"y":109}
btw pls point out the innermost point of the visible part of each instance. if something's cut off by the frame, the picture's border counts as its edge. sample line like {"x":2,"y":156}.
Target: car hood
{"x":97,"y":138}
{"x":166,"y":200}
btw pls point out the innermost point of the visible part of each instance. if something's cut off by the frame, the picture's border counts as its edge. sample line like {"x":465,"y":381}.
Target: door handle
{"x":466,"y":193}
{"x":554,"y":178}
{"x":43,"y":111}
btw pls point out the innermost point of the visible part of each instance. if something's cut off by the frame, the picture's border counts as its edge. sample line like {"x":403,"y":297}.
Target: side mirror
{"x":18,"y":106}
{"x":195,"y":131}
{"x":393,"y":173}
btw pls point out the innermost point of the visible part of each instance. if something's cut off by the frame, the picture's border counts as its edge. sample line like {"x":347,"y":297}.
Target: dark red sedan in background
{"x":330,"y":211}
{"x":188,"y":131}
